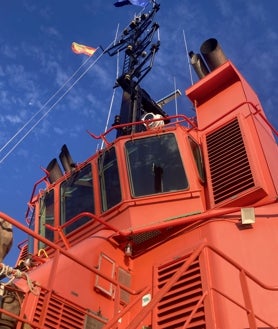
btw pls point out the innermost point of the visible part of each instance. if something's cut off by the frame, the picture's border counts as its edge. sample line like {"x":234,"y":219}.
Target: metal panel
{"x":228,"y":163}
{"x":107,"y":266}
{"x":124,"y":278}
{"x":176,"y":306}
{"x":91,"y":323}
{"x":52,"y":313}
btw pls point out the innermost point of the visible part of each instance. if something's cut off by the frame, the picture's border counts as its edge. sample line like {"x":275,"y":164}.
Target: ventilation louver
{"x":62,"y":315}
{"x":176,"y":306}
{"x":229,"y":166}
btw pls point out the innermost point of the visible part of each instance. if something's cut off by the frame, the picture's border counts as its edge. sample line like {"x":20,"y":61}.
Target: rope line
{"x":111,"y":102}
{"x":59,"y":99}
{"x":51,"y":107}
{"x":13,"y":274}
{"x":43,"y":106}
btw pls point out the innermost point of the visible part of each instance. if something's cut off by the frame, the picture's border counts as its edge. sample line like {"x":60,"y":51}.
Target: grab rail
{"x":243,"y":275}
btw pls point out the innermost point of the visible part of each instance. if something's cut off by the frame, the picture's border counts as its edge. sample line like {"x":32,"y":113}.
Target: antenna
{"x":139,"y":51}
{"x":169,"y":98}
{"x":188,"y":61}
{"x":176,"y":103}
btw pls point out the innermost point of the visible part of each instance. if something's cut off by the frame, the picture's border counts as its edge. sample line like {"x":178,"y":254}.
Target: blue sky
{"x":36,"y":60}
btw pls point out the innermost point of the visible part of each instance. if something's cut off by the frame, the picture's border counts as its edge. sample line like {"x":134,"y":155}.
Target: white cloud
{"x":50,"y":32}
{"x":13,"y":118}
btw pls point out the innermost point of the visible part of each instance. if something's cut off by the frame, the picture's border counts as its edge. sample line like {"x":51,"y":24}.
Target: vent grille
{"x":124,"y":278}
{"x":62,"y":314}
{"x":58,"y":314}
{"x":229,"y":166}
{"x":22,"y":256}
{"x":176,"y":306}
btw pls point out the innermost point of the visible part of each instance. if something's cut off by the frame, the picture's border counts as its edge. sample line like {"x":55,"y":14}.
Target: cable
{"x":47,"y":102}
{"x":59,"y":99}
{"x":44,"y":105}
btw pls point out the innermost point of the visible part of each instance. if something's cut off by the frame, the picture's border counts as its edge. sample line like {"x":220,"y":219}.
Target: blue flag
{"x":141,"y":3}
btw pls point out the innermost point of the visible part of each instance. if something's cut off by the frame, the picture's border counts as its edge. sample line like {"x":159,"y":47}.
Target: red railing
{"x":180,"y":118}
{"x":252,"y":317}
{"x":256,"y":110}
{"x":245,"y":278}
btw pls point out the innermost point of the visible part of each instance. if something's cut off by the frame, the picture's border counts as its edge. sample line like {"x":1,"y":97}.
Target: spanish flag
{"x":82,"y":49}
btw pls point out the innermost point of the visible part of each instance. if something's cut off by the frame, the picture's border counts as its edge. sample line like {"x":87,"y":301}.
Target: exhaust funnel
{"x":198,"y":65}
{"x":54,"y":171}
{"x":66,"y":159}
{"x":213,"y":54}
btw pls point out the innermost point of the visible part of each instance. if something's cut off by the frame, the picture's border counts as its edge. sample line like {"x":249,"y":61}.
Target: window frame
{"x":45,"y":207}
{"x":198,"y":158}
{"x":85,"y":204}
{"x":107,"y":183}
{"x":159,"y":169}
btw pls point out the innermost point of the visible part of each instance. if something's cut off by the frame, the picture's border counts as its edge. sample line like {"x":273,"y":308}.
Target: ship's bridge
{"x":141,"y":179}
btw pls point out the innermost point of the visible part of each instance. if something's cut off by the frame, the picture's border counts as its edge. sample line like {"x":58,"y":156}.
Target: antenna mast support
{"x":140,"y":50}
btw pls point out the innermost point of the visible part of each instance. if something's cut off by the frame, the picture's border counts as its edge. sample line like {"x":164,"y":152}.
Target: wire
{"x":112,"y":102}
{"x":53,"y":105}
{"x":51,"y":98}
{"x":44,"y":105}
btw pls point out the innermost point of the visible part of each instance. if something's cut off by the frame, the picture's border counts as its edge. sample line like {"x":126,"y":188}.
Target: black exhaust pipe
{"x":213,"y":54}
{"x":54,"y":171}
{"x":198,"y":64}
{"x":66,"y":159}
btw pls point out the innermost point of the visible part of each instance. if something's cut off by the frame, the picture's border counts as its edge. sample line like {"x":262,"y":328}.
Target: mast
{"x":140,"y":50}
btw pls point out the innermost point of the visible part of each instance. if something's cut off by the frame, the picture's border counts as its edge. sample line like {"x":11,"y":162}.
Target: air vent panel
{"x":228,"y":163}
{"x":60,"y":313}
{"x":176,"y":306}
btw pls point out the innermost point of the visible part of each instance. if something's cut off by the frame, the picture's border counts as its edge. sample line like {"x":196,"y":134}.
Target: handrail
{"x":257,"y":111}
{"x":243,"y":275}
{"x":117,"y":317}
{"x":60,"y":228}
{"x":240,"y":268}
{"x":195,"y":309}
{"x":21,"y":319}
{"x":156,"y":299}
{"x":43,"y":179}
{"x":182,"y":117}
{"x":35,"y":325}
{"x":242,"y":307}
{"x":66,"y":253}
{"x":183,"y":219}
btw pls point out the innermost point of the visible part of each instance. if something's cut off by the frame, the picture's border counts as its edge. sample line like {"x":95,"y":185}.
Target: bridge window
{"x":77,"y":197}
{"x":46,"y":215}
{"x":109,"y":179}
{"x":197,"y":154}
{"x":155,"y":165}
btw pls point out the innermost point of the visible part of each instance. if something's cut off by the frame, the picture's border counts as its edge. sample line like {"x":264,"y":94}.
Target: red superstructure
{"x":173,"y":225}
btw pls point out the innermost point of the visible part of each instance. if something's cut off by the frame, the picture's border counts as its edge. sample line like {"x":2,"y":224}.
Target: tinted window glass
{"x":155,"y":165}
{"x":46,"y":215}
{"x":197,"y":154}
{"x":76,"y":197}
{"x":109,"y":179}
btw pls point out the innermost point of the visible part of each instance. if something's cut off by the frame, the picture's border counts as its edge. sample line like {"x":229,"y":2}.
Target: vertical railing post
{"x":247,"y":300}
{"x":135,"y":323}
{"x":195,"y":309}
